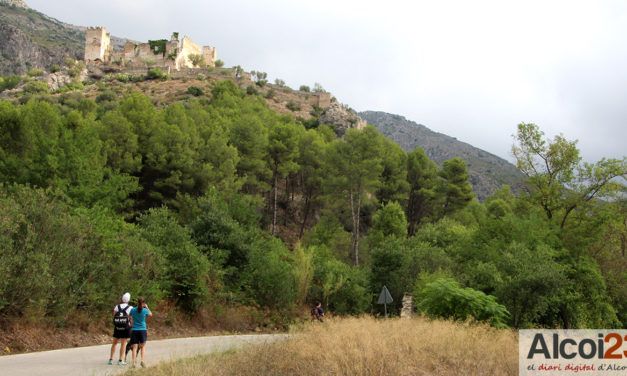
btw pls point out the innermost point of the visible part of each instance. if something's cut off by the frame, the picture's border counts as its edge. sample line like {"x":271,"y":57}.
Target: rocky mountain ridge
{"x":30,"y":39}
{"x":487,"y":171}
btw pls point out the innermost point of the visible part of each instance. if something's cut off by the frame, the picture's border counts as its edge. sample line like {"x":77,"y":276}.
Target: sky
{"x":469,"y":69}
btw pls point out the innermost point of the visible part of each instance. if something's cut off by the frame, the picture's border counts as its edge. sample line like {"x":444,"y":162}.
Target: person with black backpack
{"x":122,"y":324}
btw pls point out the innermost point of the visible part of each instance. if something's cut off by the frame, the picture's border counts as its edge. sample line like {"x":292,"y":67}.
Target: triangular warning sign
{"x":385,"y":297}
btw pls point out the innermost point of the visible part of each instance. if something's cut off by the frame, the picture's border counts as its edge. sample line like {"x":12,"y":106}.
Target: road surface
{"x":92,"y":360}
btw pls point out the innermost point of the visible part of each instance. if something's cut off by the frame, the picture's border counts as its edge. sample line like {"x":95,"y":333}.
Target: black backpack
{"x":121,"y":320}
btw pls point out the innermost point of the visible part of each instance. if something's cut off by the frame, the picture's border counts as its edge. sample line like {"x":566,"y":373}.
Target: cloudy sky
{"x":470,"y":69}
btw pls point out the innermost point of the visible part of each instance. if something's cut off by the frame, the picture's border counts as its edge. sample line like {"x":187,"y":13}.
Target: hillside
{"x":30,"y":39}
{"x":235,"y":203}
{"x":487,"y":171}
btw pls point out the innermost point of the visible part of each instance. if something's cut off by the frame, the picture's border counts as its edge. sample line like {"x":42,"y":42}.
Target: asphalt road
{"x":92,"y":360}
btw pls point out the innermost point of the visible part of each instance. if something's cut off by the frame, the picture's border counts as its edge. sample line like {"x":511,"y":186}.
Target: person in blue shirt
{"x":139,"y":333}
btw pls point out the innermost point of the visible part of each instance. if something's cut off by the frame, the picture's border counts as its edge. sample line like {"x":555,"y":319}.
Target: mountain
{"x":487,"y":171}
{"x":30,"y":39}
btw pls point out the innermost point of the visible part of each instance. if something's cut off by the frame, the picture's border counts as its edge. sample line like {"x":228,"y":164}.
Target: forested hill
{"x":487,"y":171}
{"x":239,"y":202}
{"x":30,"y":39}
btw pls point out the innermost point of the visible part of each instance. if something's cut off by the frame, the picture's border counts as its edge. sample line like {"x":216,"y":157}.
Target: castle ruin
{"x":170,"y":54}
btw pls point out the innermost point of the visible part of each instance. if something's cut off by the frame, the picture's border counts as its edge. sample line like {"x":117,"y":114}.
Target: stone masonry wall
{"x":187,"y":47}
{"x":176,"y":55}
{"x":97,"y":45}
{"x":210,"y":55}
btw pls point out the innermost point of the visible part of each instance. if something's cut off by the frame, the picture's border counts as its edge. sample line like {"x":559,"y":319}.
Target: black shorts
{"x":121,"y":334}
{"x":139,"y":336}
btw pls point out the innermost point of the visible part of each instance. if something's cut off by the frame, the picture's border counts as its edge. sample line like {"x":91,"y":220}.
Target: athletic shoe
{"x":142,"y":364}
{"x":110,"y":362}
{"x":121,"y":363}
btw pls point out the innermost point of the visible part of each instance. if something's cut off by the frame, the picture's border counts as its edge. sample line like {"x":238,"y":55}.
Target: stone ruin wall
{"x":210,"y":54}
{"x":97,"y":45}
{"x":187,"y":47}
{"x":141,"y":55}
{"x":322,"y":100}
{"x":98,"y":49}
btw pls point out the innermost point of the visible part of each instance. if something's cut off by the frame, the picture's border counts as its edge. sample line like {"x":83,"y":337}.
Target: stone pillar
{"x":408,"y":306}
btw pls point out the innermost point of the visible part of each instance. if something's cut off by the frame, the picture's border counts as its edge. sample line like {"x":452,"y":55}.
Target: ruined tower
{"x":210,"y":55}
{"x":97,"y":45}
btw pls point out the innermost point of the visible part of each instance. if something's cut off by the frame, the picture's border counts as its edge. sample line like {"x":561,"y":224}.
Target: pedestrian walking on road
{"x":139,"y":334}
{"x":121,"y":328}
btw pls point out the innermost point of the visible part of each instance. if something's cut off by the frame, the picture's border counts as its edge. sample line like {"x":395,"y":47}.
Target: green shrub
{"x":304,"y":88}
{"x":340,"y":287}
{"x":35,"y":72}
{"x":261,"y":78}
{"x":251,"y":90}
{"x":225,"y":232}
{"x":9,"y":82}
{"x":55,"y":68}
{"x":239,"y":71}
{"x":318,"y":88}
{"x":390,"y":220}
{"x":70,"y":87}
{"x":219,"y":63}
{"x":123,"y":77}
{"x":57,"y":260}
{"x":195,"y":91}
{"x":106,"y":96}
{"x":156,"y":74}
{"x":187,"y":270}
{"x":196,"y":59}
{"x":270,"y":276}
{"x":76,"y":69}
{"x":293,"y":106}
{"x":36,"y":87}
{"x":445,"y":298}
{"x":316,"y":111}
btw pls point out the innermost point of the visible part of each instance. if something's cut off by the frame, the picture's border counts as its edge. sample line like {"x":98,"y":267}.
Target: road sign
{"x":385,"y":298}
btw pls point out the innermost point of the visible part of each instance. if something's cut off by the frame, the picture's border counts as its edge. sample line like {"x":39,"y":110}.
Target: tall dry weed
{"x":367,"y":346}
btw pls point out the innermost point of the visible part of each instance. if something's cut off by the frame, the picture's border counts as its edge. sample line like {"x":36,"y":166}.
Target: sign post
{"x":385,"y":298}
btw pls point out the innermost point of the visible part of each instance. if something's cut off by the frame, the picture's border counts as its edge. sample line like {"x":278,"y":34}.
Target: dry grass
{"x":366,"y":346}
